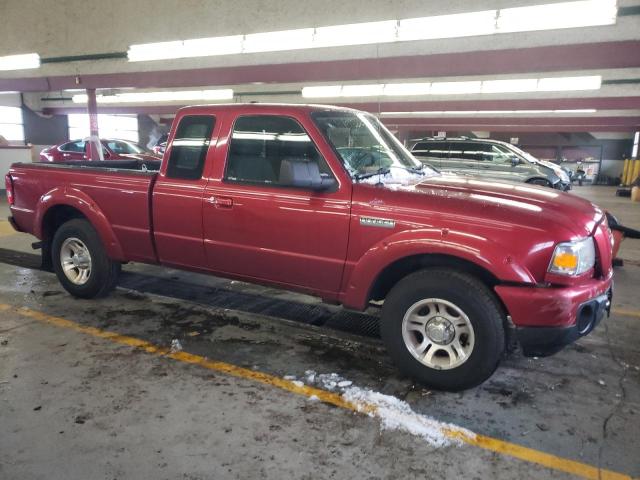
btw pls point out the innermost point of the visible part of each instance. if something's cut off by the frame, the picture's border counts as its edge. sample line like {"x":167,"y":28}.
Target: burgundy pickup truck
{"x":326,"y":201}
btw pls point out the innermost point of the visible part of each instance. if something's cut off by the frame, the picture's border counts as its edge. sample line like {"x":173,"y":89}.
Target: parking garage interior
{"x":181,"y":373}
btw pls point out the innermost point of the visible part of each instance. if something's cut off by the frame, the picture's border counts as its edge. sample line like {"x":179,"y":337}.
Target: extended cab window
{"x":259,"y":144}
{"x":189,"y":147}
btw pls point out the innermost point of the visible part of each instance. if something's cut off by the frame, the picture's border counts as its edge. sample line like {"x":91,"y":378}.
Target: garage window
{"x":123,"y":127}
{"x":11,"y":124}
{"x":260,"y":143}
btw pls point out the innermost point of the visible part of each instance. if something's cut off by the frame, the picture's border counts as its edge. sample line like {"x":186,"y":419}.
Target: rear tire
{"x":444,"y":328}
{"x":81,"y":262}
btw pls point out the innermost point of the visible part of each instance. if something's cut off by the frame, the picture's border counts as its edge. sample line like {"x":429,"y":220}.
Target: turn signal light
{"x":565,"y":260}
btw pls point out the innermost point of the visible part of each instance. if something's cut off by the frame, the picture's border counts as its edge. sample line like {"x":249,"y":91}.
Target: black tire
{"x":541,"y":182}
{"x":474,"y":299}
{"x":104,"y":271}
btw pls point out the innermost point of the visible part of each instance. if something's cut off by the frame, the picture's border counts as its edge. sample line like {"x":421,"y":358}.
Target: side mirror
{"x":304,"y":174}
{"x":515,"y":161}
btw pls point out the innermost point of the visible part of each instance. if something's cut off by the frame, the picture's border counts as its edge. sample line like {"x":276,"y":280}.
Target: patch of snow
{"x":176,"y":346}
{"x":313,"y":398}
{"x":393,"y":413}
{"x":602,"y":382}
{"x":298,"y":383}
{"x":289,"y":377}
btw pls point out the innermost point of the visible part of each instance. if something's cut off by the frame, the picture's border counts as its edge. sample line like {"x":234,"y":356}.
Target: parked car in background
{"x":489,"y":158}
{"x":161,"y":144}
{"x":112,"y":149}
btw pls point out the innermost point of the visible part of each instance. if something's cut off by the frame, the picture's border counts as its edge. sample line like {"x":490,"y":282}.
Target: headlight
{"x":573,"y":258}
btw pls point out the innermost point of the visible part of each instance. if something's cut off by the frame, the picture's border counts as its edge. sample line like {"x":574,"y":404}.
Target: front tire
{"x":81,"y":262}
{"x":443,"y":328}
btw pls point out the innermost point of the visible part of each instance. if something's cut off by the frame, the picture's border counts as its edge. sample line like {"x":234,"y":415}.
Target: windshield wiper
{"x":362,"y":176}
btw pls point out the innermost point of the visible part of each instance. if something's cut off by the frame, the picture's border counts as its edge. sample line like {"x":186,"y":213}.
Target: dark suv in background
{"x":489,"y":158}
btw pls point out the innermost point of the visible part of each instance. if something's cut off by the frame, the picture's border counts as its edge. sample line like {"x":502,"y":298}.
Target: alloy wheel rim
{"x":438,"y":333}
{"x":75,"y":260}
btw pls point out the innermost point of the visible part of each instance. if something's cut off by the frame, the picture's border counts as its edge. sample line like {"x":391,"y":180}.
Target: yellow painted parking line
{"x":6,"y":229}
{"x":626,"y":313}
{"x":548,"y":460}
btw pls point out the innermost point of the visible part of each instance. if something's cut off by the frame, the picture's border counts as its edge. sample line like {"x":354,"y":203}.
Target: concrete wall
{"x":76,"y":27}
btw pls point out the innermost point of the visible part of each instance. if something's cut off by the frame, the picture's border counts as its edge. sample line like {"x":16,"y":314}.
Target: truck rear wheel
{"x":80,"y":261}
{"x":443,"y":328}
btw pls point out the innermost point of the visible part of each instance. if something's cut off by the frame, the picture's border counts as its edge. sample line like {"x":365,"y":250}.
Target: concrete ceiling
{"x":110,"y":27}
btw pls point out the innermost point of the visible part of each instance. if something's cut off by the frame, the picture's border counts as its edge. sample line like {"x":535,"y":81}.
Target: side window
{"x":259,"y":144}
{"x":73,"y":147}
{"x":189,"y":147}
{"x":456,"y":150}
{"x":476,"y":151}
{"x":431,"y":149}
{"x":499,"y":154}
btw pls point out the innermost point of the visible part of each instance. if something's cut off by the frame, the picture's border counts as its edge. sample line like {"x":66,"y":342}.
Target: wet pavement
{"x":73,"y":406}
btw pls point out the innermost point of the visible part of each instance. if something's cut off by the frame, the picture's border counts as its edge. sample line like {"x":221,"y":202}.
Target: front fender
{"x":82,"y":202}
{"x":483,"y":252}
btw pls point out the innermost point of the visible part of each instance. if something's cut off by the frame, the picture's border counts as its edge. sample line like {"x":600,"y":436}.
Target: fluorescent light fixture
{"x":20,"y":62}
{"x":277,"y":41}
{"x":510,"y":86}
{"x":203,"y":47}
{"x":145,"y":97}
{"x":584,"y":13}
{"x":455,"y":88}
{"x":355,"y":34}
{"x":156,"y":51}
{"x":330,"y":91}
{"x":448,"y":26}
{"x":557,"y":15}
{"x":558,"y":84}
{"x":399,"y":89}
{"x":373,"y":90}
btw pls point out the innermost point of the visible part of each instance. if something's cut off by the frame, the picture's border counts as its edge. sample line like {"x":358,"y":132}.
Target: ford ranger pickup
{"x":326,"y":201}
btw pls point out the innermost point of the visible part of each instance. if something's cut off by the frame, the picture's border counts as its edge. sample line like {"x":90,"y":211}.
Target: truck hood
{"x":510,"y":202}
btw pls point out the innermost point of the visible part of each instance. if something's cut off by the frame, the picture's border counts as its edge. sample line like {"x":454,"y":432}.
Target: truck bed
{"x":119,"y":190}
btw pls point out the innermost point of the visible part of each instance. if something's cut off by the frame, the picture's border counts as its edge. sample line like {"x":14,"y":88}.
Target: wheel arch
{"x":61,"y":205}
{"x":377,"y":270}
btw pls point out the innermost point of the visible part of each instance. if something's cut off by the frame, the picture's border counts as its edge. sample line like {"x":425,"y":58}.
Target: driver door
{"x":257,"y":228}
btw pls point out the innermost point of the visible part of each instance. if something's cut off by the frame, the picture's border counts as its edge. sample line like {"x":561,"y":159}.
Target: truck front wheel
{"x":443,"y":328}
{"x":80,"y":261}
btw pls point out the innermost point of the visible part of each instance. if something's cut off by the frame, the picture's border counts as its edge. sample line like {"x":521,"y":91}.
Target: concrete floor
{"x":73,"y":406}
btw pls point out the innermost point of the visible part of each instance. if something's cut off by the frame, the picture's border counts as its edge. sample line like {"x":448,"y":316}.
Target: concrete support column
{"x":94,"y":148}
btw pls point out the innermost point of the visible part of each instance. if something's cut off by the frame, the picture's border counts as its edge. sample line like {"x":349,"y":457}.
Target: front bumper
{"x":548,"y":318}
{"x":544,"y":341}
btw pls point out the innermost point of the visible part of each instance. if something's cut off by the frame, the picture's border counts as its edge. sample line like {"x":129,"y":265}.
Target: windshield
{"x":369,"y":152}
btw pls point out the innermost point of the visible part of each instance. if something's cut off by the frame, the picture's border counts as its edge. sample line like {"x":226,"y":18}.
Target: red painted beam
{"x":605,"y":103}
{"x":602,"y":55}
{"x":551,"y":121}
{"x":514,"y":129}
{"x":598,"y":103}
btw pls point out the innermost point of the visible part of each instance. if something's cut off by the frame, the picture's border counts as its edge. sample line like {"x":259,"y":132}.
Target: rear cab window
{"x":260,"y":143}
{"x":189,"y":147}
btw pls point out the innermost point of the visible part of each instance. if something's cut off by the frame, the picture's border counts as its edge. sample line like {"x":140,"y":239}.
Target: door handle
{"x":220,"y":202}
